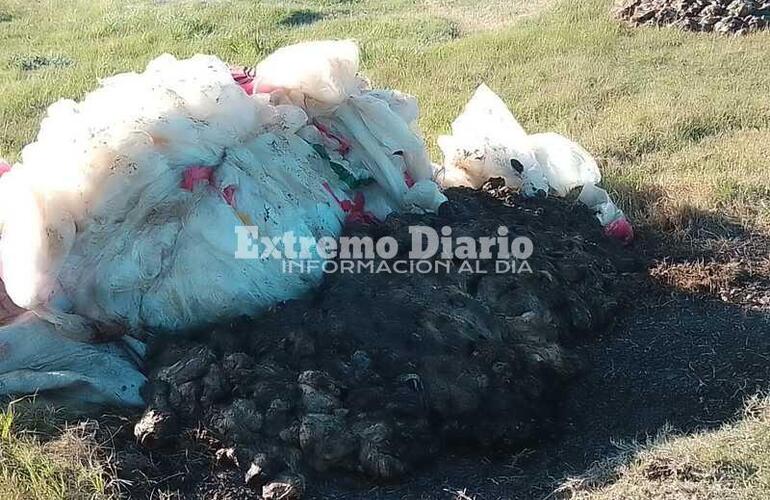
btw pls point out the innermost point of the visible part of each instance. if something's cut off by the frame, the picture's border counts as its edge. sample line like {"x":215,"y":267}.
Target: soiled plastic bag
{"x":122,"y":215}
{"x":369,"y":132}
{"x":36,"y":357}
{"x":485,"y":139}
{"x":95,"y":212}
{"x":564,"y":163}
{"x":487,"y":142}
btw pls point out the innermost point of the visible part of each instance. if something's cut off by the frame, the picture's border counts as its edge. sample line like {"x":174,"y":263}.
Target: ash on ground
{"x":737,"y":17}
{"x":376,"y":374}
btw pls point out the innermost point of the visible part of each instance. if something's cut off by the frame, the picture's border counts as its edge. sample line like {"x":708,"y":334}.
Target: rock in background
{"x":375,"y":374}
{"x":721,"y":16}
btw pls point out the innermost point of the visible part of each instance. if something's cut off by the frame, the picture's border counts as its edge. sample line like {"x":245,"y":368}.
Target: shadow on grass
{"x":701,"y":252}
{"x":36,"y":62}
{"x":302,"y":17}
{"x":672,"y":230}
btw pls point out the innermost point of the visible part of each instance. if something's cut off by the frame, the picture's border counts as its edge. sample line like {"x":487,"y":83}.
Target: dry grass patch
{"x":41,"y":461}
{"x":729,"y":463}
{"x":473,"y":16}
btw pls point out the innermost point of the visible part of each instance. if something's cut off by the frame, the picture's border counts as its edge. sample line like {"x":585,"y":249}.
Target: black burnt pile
{"x":376,"y":373}
{"x":721,"y":16}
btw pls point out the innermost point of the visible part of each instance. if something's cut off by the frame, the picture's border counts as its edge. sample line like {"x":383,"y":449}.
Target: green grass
{"x":684,"y":115}
{"x":680,"y":123}
{"x":731,"y":463}
{"x":51,"y":463}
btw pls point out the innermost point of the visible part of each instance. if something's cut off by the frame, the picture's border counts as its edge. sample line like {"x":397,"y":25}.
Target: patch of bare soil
{"x":375,"y":376}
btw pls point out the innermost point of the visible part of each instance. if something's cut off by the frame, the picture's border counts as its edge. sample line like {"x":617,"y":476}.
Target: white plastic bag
{"x":487,"y":142}
{"x":323,"y":71}
{"x":98,"y":229}
{"x":376,"y":129}
{"x":124,"y":210}
{"x":485,"y":138}
{"x":148,"y":253}
{"x":616,"y":224}
{"x":565,"y":164}
{"x":598,"y":200}
{"x":37,"y":357}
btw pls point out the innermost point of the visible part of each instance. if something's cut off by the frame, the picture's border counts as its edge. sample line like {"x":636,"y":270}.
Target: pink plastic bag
{"x":621,"y":230}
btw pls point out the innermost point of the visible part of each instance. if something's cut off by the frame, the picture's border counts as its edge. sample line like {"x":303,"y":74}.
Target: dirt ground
{"x":374,"y":376}
{"x":676,"y":361}
{"x":683,"y":356}
{"x":680,"y":353}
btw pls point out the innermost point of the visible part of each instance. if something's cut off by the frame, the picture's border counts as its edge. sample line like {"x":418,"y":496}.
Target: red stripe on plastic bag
{"x":244,"y":77}
{"x":228,"y":194}
{"x":192,"y":176}
{"x":344,"y":148}
{"x":354,"y":209}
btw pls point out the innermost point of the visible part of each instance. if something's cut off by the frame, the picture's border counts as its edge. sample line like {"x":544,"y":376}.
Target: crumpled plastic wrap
{"x":487,"y":141}
{"x":121,"y":217}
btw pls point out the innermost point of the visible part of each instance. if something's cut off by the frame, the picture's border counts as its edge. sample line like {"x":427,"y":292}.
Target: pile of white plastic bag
{"x":120,"y":218}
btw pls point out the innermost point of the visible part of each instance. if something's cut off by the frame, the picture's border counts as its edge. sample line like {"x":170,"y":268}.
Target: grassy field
{"x":41,"y":460}
{"x":732,"y":463}
{"x":679,"y":121}
{"x":683,"y":116}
